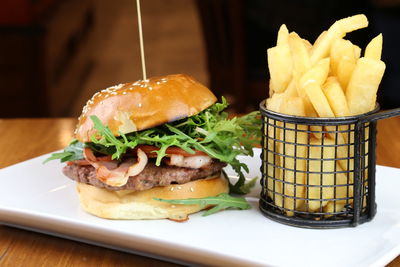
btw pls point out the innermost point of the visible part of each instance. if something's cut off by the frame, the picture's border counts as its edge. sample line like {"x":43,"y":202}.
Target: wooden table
{"x":22,"y":139}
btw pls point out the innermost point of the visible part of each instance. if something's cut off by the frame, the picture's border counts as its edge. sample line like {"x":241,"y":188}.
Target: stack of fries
{"x":327,"y":79}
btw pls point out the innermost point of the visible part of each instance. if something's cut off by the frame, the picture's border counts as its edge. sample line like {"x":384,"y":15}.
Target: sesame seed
{"x":140,"y":105}
{"x":150,"y":88}
{"x":191,"y":189}
{"x":119,"y":86}
{"x":172,"y":189}
{"x":179,"y":187}
{"x":124,"y":93}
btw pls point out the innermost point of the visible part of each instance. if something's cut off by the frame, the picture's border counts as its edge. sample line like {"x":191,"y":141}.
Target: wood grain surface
{"x":22,"y":139}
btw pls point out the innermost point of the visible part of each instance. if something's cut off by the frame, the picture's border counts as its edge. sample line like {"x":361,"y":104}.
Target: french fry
{"x":338,"y":103}
{"x":363,"y":85}
{"x":308,"y":45}
{"x":318,"y":40}
{"x":345,"y":70}
{"x":336,"y":97}
{"x":341,"y":50}
{"x":271,"y":90}
{"x":297,"y":148}
{"x":283,"y":36}
{"x":321,"y":166}
{"x":317,"y":74}
{"x":279,"y":62}
{"x":342,"y":192}
{"x":274,"y":103}
{"x":353,"y":23}
{"x":273,"y":172}
{"x":318,"y":100}
{"x":374,"y":48}
{"x":336,"y":31}
{"x":357,"y":52}
{"x":299,"y":52}
{"x":280,"y":67}
{"x":291,"y":90}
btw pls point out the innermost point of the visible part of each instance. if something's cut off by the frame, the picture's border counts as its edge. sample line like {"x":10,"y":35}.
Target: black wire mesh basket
{"x":319,"y":172}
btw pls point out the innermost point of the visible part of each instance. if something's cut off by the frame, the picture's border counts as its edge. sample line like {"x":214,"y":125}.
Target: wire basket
{"x":319,"y":172}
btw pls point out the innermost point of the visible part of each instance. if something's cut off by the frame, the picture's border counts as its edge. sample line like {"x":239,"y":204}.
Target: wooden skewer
{"x":141,"y":39}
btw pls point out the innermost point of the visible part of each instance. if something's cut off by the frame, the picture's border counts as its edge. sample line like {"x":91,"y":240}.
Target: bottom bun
{"x":128,"y":204}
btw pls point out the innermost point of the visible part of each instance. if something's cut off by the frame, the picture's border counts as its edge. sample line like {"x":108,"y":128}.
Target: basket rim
{"x":304,"y":120}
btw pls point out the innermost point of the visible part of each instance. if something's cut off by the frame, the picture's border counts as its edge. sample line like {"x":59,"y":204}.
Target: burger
{"x":140,"y":146}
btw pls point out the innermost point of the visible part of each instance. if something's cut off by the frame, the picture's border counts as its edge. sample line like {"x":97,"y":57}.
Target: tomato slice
{"x":172,"y":150}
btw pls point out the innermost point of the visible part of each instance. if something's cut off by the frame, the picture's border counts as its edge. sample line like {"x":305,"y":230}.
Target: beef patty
{"x":150,"y":177}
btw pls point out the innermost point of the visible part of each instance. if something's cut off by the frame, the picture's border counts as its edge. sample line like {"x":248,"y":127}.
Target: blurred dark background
{"x":55,"y":54}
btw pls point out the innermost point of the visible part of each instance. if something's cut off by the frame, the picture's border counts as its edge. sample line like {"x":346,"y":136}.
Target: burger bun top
{"x":144,"y":104}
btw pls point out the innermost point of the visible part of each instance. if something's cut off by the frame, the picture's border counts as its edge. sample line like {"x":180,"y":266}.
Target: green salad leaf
{"x":73,"y":151}
{"x":220,"y":202}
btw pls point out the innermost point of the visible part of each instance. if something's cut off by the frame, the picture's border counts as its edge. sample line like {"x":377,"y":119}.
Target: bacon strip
{"x":111,"y":172}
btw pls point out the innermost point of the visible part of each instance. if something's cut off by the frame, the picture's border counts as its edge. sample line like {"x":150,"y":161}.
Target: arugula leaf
{"x":73,"y":151}
{"x":247,"y":187}
{"x":107,"y":139}
{"x":222,"y":201}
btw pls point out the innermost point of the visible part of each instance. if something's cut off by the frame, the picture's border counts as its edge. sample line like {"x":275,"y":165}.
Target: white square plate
{"x":38,"y":197}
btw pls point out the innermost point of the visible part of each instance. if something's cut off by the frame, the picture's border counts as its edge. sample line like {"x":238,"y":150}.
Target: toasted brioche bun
{"x":140,"y":105}
{"x":128,"y":204}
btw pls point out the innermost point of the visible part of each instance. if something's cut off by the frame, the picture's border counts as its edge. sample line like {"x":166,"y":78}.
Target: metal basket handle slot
{"x":384,"y":114}
{"x":372,"y":119}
